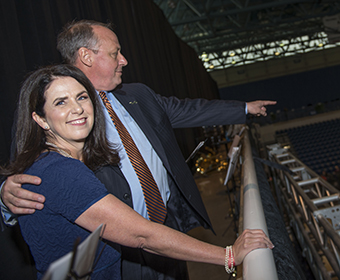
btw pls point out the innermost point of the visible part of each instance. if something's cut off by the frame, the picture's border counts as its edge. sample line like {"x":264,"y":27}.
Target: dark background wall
{"x":156,"y":56}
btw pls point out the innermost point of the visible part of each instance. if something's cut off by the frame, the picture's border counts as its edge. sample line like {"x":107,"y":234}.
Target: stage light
{"x":211,"y":66}
{"x":232,"y":54}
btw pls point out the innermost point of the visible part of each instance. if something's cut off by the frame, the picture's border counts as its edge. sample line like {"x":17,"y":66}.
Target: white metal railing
{"x":258,"y":264}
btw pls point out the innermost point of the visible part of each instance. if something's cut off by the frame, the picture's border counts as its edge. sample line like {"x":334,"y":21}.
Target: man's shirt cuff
{"x":8,"y":217}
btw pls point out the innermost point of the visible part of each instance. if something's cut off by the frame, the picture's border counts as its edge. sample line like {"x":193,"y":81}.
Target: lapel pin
{"x":133,"y":102}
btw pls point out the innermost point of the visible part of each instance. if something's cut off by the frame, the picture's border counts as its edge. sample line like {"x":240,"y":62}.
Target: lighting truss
{"x":227,"y":33}
{"x":262,"y":52}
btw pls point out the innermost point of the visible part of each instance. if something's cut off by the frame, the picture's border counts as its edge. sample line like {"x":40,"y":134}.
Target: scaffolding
{"x":313,"y":208}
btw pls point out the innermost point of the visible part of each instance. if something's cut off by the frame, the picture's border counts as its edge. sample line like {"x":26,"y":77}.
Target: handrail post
{"x":258,"y":264}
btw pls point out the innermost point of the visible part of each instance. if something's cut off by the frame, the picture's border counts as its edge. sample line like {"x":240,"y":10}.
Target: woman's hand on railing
{"x":249,"y":240}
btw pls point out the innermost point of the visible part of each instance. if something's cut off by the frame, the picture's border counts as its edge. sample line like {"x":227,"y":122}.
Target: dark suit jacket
{"x":157,"y":116}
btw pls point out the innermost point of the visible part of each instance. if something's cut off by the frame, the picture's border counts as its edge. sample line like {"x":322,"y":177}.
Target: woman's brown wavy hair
{"x":30,"y":138}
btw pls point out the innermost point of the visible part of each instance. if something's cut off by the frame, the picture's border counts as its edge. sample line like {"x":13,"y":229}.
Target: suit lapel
{"x":133,"y":108}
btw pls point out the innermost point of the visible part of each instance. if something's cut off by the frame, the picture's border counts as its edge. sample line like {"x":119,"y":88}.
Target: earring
{"x":46,"y":127}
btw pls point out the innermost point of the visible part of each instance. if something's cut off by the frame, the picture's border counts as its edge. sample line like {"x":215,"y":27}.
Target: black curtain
{"x":156,"y":56}
{"x":29,"y":29}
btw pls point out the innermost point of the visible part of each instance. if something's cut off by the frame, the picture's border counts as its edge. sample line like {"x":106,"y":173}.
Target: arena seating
{"x":317,"y":145}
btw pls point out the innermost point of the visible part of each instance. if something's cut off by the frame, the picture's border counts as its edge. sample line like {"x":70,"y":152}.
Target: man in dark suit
{"x":150,"y":119}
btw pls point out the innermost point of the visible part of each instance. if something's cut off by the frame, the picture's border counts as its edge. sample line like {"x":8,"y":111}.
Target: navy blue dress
{"x":70,"y":189}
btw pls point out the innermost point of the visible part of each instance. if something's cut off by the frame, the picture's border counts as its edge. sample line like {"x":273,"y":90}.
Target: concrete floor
{"x":216,"y":200}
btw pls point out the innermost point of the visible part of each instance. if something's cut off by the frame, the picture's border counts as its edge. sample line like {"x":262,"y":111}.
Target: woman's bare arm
{"x":126,"y":227}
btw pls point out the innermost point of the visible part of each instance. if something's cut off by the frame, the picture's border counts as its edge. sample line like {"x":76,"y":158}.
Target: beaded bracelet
{"x":229,"y":263}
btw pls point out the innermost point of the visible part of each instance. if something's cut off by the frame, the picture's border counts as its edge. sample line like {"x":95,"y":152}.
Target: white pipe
{"x":258,"y":264}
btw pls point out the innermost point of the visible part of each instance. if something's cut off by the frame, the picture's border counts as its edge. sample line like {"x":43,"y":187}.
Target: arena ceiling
{"x":226,"y":33}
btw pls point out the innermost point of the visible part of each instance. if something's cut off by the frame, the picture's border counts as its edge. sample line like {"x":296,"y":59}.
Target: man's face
{"x":107,"y":65}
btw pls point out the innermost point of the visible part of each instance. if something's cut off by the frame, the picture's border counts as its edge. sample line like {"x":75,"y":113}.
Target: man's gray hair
{"x":76,"y":35}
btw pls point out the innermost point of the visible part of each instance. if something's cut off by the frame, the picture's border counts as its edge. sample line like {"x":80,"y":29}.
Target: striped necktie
{"x":153,"y":200}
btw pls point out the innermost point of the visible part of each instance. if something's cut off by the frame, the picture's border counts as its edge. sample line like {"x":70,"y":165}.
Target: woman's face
{"x":69,"y":113}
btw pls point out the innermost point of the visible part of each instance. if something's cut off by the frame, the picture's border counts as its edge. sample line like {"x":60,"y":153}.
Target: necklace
{"x":60,"y":151}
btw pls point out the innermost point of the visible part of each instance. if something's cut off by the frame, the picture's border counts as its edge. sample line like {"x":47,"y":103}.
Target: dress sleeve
{"x":69,"y":187}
